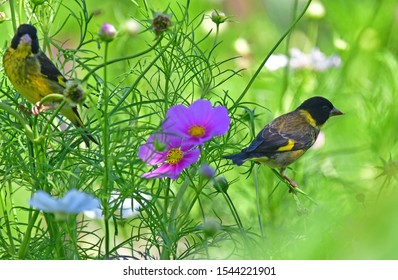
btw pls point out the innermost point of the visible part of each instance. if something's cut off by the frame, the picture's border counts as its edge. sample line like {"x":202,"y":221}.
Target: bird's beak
{"x":25,"y":40}
{"x":335,"y":112}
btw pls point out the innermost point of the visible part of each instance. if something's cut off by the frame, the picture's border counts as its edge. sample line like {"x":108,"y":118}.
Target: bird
{"x":286,"y":138}
{"x":35,"y":76}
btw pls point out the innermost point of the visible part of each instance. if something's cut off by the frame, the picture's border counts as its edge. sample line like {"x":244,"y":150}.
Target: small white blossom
{"x":316,"y":10}
{"x":73,"y":202}
{"x":315,"y":60}
{"x":128,"y":208}
{"x":132,"y":27}
{"x":276,"y":61}
{"x":242,"y":47}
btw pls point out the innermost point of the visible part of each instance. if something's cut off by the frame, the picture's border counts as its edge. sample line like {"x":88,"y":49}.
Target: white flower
{"x":276,"y":61}
{"x":242,"y":47}
{"x":128,"y":208}
{"x":132,"y":27}
{"x":315,"y":60}
{"x":316,"y":10}
{"x":73,"y":202}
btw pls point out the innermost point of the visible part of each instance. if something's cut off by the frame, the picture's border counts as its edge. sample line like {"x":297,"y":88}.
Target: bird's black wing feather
{"x":49,"y":70}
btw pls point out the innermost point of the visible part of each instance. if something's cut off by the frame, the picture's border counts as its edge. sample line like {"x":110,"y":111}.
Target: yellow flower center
{"x":174,"y":156}
{"x":197,"y":131}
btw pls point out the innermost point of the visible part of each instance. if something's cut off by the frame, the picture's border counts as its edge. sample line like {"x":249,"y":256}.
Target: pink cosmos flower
{"x":198,"y":123}
{"x":170,"y":153}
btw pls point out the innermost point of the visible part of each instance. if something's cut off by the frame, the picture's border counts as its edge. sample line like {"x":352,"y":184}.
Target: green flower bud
{"x":221,"y":184}
{"x":218,"y":17}
{"x":74,"y":92}
{"x":211,"y":227}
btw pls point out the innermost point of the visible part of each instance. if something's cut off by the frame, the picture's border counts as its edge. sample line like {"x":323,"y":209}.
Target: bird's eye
{"x":325,"y":108}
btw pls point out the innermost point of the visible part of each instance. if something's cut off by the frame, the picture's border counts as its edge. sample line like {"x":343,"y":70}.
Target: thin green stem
{"x":7,"y":223}
{"x":106,"y":152}
{"x":119,"y":59}
{"x":22,"y":121}
{"x":285,"y":83}
{"x":13,"y":17}
{"x":261,"y":66}
{"x":23,"y":250}
{"x":260,"y":222}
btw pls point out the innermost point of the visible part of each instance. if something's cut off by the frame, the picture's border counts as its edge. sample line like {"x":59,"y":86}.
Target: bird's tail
{"x":238,"y":158}
{"x":72,"y":114}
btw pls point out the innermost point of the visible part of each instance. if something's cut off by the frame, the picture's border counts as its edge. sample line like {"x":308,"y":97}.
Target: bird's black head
{"x":320,"y":109}
{"x":23,"y":31}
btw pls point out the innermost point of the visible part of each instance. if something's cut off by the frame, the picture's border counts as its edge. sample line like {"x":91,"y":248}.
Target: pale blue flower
{"x":73,"y":202}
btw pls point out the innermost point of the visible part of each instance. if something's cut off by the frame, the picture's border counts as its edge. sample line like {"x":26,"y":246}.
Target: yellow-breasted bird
{"x":288,"y":137}
{"x":34,"y":75}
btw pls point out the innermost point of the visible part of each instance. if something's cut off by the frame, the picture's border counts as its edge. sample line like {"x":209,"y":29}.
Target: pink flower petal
{"x":220,"y":121}
{"x":172,"y":171}
{"x":149,"y":155}
{"x":180,"y":120}
{"x":201,"y":110}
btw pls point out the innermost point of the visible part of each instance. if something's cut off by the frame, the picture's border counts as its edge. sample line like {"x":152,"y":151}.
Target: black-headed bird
{"x":34,"y":75}
{"x":288,"y":137}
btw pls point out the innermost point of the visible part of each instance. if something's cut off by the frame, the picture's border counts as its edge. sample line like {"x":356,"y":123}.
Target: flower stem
{"x":261,"y":66}
{"x":260,"y":223}
{"x":105,"y":147}
{"x":13,"y":17}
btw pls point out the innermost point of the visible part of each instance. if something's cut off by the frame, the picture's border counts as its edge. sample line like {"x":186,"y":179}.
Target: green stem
{"x":106,"y":153}
{"x":22,"y":121}
{"x":20,"y":8}
{"x":261,"y":66}
{"x":260,"y":223}
{"x":285,"y":83}
{"x":7,"y":222}
{"x":165,"y":254}
{"x":13,"y":18}
{"x":25,"y":242}
{"x":71,"y":230}
{"x":95,"y":69}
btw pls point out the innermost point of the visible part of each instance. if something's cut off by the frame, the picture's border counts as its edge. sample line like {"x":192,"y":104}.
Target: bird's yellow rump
{"x":34,"y":75}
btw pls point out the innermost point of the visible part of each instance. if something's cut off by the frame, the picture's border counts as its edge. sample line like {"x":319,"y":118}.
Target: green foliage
{"x":345,"y":206}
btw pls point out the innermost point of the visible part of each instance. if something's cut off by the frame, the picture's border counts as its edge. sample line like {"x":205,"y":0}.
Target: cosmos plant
{"x":176,"y":146}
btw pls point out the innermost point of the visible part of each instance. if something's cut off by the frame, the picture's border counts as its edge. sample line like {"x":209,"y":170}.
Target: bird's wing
{"x":289,"y":132}
{"x":49,"y":70}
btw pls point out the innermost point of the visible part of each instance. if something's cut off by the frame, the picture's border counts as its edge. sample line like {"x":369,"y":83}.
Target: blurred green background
{"x":353,"y":175}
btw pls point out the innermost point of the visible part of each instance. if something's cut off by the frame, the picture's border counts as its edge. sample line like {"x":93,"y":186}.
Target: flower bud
{"x":37,"y":2}
{"x":107,"y":32}
{"x":161,"y":22}
{"x":207,"y":171}
{"x":221,"y":184}
{"x":211,"y":227}
{"x":218,"y":17}
{"x":74,"y":92}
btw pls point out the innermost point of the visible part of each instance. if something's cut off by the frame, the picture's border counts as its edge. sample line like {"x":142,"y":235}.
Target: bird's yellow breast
{"x":23,"y":70}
